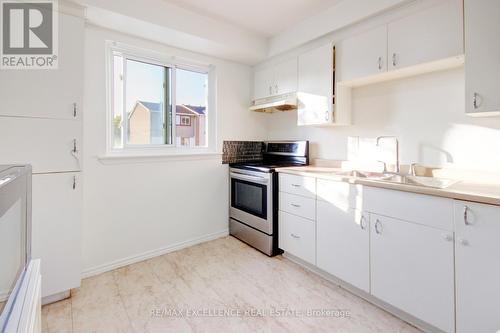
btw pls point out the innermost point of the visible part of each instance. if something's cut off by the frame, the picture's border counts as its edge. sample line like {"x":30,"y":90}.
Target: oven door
{"x":251,"y":199}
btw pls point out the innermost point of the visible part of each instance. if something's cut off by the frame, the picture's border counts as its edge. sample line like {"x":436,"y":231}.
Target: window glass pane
{"x":145,"y":103}
{"x":191,"y":108}
{"x":117,"y":101}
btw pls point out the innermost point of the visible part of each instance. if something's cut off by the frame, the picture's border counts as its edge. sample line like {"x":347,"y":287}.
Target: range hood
{"x":285,"y":102}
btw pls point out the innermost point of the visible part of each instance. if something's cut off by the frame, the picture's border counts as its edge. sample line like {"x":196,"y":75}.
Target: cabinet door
{"x":285,"y":75}
{"x":297,"y":236}
{"x":435,"y":33}
{"x":52,"y":93}
{"x":482,"y":61}
{"x":343,"y":244}
{"x":315,"y":86}
{"x":56,"y":229}
{"x":362,"y":55}
{"x":412,"y":269}
{"x":46,"y":144}
{"x":477,"y":267}
{"x":263,"y":80}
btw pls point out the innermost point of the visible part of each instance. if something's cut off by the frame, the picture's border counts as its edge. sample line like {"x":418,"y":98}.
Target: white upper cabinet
{"x":429,"y":35}
{"x":477,"y":266}
{"x":320,"y":102}
{"x":285,"y":77}
{"x":315,"y":88}
{"x":52,"y":93}
{"x":430,"y":39}
{"x":362,"y":55}
{"x":412,"y":269}
{"x":276,"y":80}
{"x":482,"y":62}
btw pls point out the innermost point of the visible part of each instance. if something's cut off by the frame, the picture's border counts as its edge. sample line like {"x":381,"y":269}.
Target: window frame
{"x":168,"y":61}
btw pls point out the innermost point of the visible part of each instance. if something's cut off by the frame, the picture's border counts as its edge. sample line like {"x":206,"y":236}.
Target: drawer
{"x":297,"y":236}
{"x":46,"y":144}
{"x":432,"y":211}
{"x":304,"y":186}
{"x":340,"y":194}
{"x":298,"y":205}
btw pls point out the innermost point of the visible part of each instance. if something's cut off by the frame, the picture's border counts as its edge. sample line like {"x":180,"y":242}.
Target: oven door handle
{"x":258,"y":180}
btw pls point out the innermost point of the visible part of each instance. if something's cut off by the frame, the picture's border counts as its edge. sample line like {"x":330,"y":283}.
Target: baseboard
{"x":364,"y":295}
{"x":151,"y":254}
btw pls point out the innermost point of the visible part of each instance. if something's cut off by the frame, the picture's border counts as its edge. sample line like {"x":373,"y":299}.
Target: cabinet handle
{"x":295,"y":185}
{"x":378,"y":227}
{"x":295,"y":205}
{"x":74,"y":110}
{"x":362,"y":223}
{"x":74,"y":150}
{"x":394,"y":63}
{"x":295,"y":236}
{"x":466,"y":215}
{"x":463,"y":242}
{"x":475,"y":101}
{"x":74,"y":182}
{"x":379,"y":63}
{"x":327,"y":115}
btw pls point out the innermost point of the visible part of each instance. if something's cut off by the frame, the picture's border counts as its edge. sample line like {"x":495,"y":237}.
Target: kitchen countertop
{"x":467,"y":190}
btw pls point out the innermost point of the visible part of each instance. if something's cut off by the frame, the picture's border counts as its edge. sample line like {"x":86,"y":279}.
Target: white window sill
{"x":140,"y":157}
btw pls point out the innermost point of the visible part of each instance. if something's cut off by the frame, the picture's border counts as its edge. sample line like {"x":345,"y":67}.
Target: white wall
{"x":138,"y":207}
{"x":426,"y":113}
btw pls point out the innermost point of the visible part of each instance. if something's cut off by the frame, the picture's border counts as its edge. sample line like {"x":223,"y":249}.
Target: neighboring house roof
{"x":180,"y":109}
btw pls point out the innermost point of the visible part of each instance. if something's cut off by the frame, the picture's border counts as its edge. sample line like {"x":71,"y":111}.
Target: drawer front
{"x":298,"y":205}
{"x":46,"y":144}
{"x":304,"y":186}
{"x":432,"y":211}
{"x":297,"y":236}
{"x":340,"y":194}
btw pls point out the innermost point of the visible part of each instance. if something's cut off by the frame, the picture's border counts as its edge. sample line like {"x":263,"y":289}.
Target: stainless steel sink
{"x":432,"y":182}
{"x":422,"y":181}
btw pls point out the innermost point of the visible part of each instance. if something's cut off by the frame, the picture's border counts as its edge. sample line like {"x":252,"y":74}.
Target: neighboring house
{"x":146,"y":124}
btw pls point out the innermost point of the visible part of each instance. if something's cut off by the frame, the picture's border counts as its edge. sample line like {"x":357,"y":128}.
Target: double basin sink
{"x":432,"y":182}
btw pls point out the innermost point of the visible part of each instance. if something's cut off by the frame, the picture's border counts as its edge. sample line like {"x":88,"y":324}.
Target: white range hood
{"x":285,"y":102}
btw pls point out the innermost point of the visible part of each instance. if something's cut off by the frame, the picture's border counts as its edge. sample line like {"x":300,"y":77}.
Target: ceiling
{"x":264,"y":17}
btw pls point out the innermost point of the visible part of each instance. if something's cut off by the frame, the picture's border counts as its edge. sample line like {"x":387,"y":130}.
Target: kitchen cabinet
{"x":320,"y":102}
{"x":49,"y":145}
{"x":412,"y":269}
{"x":477,"y":265}
{"x":304,"y":186}
{"x":427,"y":40}
{"x":363,"y":55}
{"x":57,"y":93}
{"x":343,"y":236}
{"x":276,"y":80}
{"x":56,"y":229}
{"x":297,"y":205}
{"x":297,"y":236}
{"x":482,"y":63}
{"x":429,"y":35}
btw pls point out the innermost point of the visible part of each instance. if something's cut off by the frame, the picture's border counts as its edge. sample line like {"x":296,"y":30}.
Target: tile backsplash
{"x":242,"y":151}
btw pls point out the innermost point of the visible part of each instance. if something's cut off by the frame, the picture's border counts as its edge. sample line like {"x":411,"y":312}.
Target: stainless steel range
{"x":253,"y":213}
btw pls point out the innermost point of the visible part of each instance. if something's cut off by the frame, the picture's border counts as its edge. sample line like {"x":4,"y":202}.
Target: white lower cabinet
{"x":56,"y":229}
{"x":343,"y":238}
{"x":412,"y":269}
{"x":477,"y":264}
{"x":297,"y":236}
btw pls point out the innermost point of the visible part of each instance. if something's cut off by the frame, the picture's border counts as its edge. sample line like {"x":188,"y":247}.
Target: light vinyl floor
{"x":219,"y":286}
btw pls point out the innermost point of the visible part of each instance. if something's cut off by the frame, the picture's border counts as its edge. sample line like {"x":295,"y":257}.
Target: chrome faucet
{"x":398,"y":164}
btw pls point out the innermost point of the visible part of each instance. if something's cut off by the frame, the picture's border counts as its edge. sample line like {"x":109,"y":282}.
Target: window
{"x":148,"y":92}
